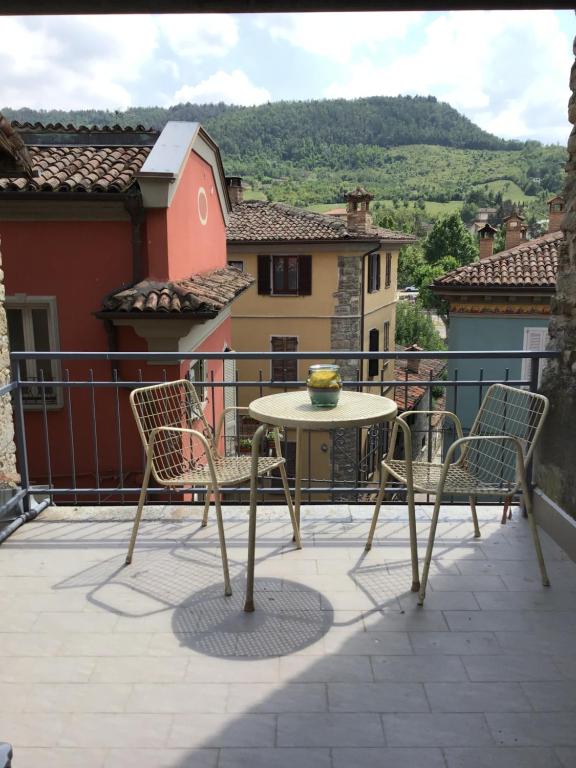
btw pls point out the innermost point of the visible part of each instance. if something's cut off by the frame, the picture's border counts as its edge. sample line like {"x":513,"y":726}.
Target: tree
{"x":415,"y":326}
{"x":449,"y":237}
{"x":425,"y":276}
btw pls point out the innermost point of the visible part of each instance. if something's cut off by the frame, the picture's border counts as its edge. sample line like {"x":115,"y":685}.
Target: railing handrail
{"x":441,"y":354}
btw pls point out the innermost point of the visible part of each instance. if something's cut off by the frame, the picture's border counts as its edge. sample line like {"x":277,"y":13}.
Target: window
{"x":285,"y":275}
{"x":388,"y":278}
{"x":535,"y":340}
{"x":373,"y":346}
{"x":238,"y":264}
{"x":33,"y":327}
{"x":373,"y":272}
{"x":386,"y":336}
{"x":284,"y":370}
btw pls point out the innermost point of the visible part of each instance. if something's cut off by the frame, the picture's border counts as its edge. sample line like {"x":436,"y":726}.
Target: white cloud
{"x":230,"y":87}
{"x":336,"y":36}
{"x":505,"y":70}
{"x":201,"y":36}
{"x":73,"y":62}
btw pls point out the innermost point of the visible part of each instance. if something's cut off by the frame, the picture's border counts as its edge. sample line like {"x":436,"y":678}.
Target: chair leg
{"x":206,"y":507}
{"x":223,"y":553}
{"x":534,"y":529}
{"x":505,"y":513}
{"x":474,"y":517}
{"x":429,"y":548}
{"x":413,"y":538}
{"x":139,"y":511}
{"x":295,"y":527}
{"x":379,"y":498}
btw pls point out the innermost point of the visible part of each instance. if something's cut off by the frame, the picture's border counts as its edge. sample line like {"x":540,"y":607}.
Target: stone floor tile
{"x":214,"y":731}
{"x":291,"y":757}
{"x":358,"y":601}
{"x":376,"y":697}
{"x":413,"y":619}
{"x":547,"y":642}
{"x":552,"y":697}
{"x":477,"y":697}
{"x":272,"y":698}
{"x":566,"y":665}
{"x":454,"y":643}
{"x":330,"y":730}
{"x":388,"y":757}
{"x":544,"y":729}
{"x":13,"y":697}
{"x":532,"y":582}
{"x":18,"y":622}
{"x":178,"y":698}
{"x":418,"y":669}
{"x":567,"y":756}
{"x":443,"y":601}
{"x":103,"y":644}
{"x":16,"y":644}
{"x":47,"y":670}
{"x":43,"y":730}
{"x":162,"y":758}
{"x":122,"y":731}
{"x":544,"y":600}
{"x":367,"y":643}
{"x":140,"y":669}
{"x":489,"y":621}
{"x":77,"y":697}
{"x":327,"y":669}
{"x":54,"y":757}
{"x":82,"y":621}
{"x":501,"y":757}
{"x":510,"y":668}
{"x":453,"y":730}
{"x":477,"y":582}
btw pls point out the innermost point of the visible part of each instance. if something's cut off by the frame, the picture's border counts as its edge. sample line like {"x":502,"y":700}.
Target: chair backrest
{"x":173,"y":404}
{"x":505,"y":411}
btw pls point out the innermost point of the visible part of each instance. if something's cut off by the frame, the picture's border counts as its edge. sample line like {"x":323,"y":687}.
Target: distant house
{"x":501,"y":302}
{"x":117,"y":243}
{"x":323,"y":284}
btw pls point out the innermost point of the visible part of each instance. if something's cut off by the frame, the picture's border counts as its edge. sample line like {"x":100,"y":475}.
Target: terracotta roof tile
{"x":259,"y":221}
{"x":408,"y":396}
{"x":200,"y":294}
{"x":530,"y":264}
{"x":80,"y":169}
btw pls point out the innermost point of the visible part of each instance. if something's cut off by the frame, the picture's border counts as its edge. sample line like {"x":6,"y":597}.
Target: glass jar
{"x":324,"y":385}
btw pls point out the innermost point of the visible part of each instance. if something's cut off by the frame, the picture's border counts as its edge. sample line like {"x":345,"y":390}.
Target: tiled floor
{"x":151,"y":666}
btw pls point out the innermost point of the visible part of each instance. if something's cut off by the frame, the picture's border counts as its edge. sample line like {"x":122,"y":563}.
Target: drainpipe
{"x":362,"y":300}
{"x":25,"y":517}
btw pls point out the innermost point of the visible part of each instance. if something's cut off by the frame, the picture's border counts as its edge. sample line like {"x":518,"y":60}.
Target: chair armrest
{"x":466,"y":441}
{"x":455,"y":419}
{"x":179,"y":430}
{"x":237,"y":408}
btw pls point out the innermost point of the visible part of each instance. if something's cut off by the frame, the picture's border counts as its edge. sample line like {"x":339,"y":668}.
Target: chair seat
{"x":459,"y":480}
{"x":230,"y":470}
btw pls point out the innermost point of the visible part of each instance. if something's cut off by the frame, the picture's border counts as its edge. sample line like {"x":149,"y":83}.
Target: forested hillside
{"x":408,"y":148}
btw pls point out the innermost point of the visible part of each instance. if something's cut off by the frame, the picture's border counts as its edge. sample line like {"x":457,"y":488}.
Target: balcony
{"x":152,"y":666}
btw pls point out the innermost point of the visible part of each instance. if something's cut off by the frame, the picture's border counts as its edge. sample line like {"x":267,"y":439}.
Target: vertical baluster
{"x":70,"y":425}
{"x":46,"y":434}
{"x":94,"y":432}
{"x":119,"y":431}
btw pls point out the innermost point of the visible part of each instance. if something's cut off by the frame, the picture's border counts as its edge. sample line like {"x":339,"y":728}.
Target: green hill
{"x":312,"y":152}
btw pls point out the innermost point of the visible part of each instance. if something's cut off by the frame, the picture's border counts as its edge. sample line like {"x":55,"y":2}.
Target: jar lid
{"x":323,"y":367}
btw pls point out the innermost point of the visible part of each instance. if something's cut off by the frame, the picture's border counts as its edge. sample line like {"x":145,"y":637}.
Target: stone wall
{"x":8,"y":473}
{"x":555,"y":464}
{"x":345,"y":335}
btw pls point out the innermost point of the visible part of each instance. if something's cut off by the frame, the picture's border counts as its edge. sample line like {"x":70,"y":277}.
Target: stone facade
{"x":554,"y":465}
{"x":8,"y":473}
{"x":345,"y":335}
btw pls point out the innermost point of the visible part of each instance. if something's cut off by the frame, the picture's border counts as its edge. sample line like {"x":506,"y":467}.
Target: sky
{"x":507,"y":71}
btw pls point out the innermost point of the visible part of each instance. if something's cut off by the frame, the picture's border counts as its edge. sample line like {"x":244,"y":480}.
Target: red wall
{"x":178,"y":243}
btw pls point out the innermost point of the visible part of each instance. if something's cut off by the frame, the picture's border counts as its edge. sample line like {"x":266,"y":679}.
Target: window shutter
{"x":377,"y":257}
{"x":535,"y":340}
{"x":264,"y":275}
{"x":304,"y":275}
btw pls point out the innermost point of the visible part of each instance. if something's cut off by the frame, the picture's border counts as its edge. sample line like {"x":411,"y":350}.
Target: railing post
{"x":20,"y":435}
{"x":534,"y":373}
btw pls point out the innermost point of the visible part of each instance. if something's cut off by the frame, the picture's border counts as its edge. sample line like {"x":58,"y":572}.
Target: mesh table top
{"x":294,"y":409}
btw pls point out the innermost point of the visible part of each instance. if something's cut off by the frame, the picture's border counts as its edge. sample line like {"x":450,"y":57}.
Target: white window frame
{"x":535,"y":340}
{"x":26,"y":303}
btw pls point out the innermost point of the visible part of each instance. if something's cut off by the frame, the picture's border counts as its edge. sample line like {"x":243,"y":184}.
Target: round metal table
{"x":294,"y":410}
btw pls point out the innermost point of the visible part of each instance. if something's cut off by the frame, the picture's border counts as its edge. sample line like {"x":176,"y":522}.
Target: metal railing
{"x":76,"y":442}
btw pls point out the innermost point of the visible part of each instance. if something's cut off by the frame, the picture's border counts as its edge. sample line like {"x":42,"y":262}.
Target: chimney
{"x":413,"y":363}
{"x":513,"y":224}
{"x":358,"y":218}
{"x":555,"y":213}
{"x":235,"y":189}
{"x":486,"y":235}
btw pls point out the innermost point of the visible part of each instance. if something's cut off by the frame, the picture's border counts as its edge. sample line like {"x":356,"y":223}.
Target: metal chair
{"x":179,"y":455}
{"x":492,"y":462}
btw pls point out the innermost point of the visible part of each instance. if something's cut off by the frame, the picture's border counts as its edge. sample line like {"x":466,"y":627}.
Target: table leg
{"x":249,"y":600}
{"x":298,"y":479}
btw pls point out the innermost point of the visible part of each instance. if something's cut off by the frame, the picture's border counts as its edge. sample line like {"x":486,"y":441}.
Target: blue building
{"x":501,"y":302}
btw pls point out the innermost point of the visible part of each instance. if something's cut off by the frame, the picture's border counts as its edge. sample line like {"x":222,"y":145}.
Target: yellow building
{"x":323,"y":283}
